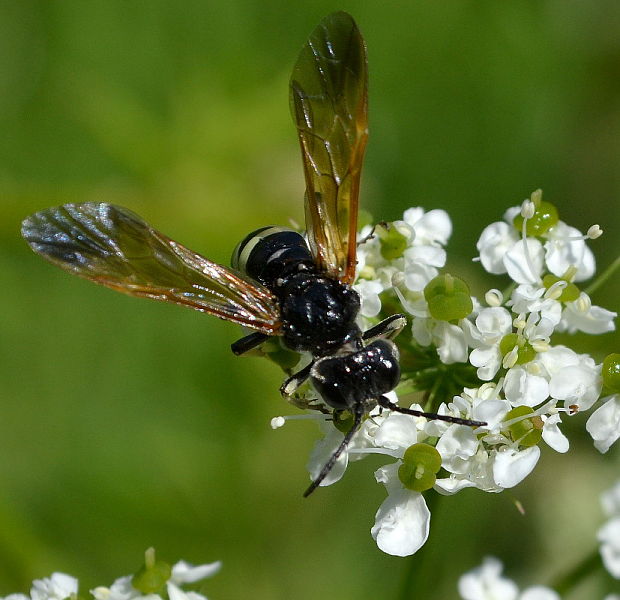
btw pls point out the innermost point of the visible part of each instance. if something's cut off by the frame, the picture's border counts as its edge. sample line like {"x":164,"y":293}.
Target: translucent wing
{"x":329,"y":102}
{"x":113,"y":246}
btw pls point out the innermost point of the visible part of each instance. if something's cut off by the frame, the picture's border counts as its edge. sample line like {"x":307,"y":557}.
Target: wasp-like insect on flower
{"x":280,"y":284}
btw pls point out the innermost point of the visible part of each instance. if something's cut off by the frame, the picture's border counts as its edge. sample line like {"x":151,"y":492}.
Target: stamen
{"x":278,"y":422}
{"x":540,"y":345}
{"x":528,"y":208}
{"x":520,"y":322}
{"x":583,"y":303}
{"x":556,"y":290}
{"x":494,"y":297}
{"x":510,"y":360}
{"x":594,"y":232}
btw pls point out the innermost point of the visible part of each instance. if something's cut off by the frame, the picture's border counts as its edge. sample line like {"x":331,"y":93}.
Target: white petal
{"x":450,"y":342}
{"x":539,"y":592}
{"x":580,"y":315}
{"x":459,"y":441}
{"x":184,"y":572}
{"x":397,"y":431}
{"x":488,"y":360}
{"x":494,"y":242}
{"x":523,"y":389}
{"x":564,"y":248}
{"x":486,"y":583}
{"x":491,"y":412}
{"x":521,"y":270}
{"x":401,"y":523}
{"x":576,"y":385}
{"x":431,"y":227}
{"x":553,"y":436}
{"x":433,"y":256}
{"x":421,"y":331}
{"x":321,"y":453}
{"x":513,"y":466}
{"x":604,"y":423}
{"x":58,"y":587}
{"x":369,"y":291}
{"x":494,"y":323}
{"x":610,"y":501}
{"x":451,"y":485}
{"x":609,"y":537}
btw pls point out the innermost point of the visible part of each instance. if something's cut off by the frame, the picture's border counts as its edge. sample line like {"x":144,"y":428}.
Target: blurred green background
{"x":129,"y":423}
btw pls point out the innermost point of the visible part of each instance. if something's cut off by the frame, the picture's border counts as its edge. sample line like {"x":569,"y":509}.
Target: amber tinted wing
{"x":329,"y":102}
{"x":113,"y":246}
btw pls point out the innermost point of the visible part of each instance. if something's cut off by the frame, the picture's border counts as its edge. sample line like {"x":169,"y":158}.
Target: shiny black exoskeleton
{"x":318,"y":316}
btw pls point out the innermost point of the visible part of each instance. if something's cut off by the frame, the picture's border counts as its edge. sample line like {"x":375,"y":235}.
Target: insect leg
{"x":290,"y":385}
{"x":248,"y":342}
{"x":334,"y":457}
{"x":385,"y":403}
{"x":388,"y":328}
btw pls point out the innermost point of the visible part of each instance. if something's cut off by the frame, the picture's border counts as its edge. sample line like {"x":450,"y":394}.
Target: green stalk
{"x":566,"y":582}
{"x":603,"y":277}
{"x":415,"y":577}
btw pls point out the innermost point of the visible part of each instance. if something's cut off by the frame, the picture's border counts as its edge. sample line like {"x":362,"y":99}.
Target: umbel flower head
{"x":155,"y":580}
{"x":490,"y":358}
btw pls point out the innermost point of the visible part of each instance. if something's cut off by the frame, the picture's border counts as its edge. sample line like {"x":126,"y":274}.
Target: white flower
{"x":486,"y":583}
{"x":57,"y":587}
{"x":551,"y":433}
{"x":523,"y":388}
{"x":565,"y":248}
{"x":580,"y":315}
{"x":503,"y":250}
{"x":491,"y":325}
{"x":431,"y":228}
{"x":604,"y":423}
{"x":609,"y":537}
{"x":512,"y":466}
{"x":182,"y":573}
{"x":403,"y":519}
{"x":449,"y":339}
{"x":610,"y":501}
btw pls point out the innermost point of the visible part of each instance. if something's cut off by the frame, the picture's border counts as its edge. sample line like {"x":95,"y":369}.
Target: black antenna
{"x":384,"y":402}
{"x":334,"y":457}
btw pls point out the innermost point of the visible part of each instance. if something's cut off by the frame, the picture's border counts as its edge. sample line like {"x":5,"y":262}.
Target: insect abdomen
{"x":271,"y":253}
{"x":357,"y":379}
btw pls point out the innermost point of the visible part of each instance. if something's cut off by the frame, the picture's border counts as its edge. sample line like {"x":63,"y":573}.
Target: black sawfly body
{"x":280,"y":283}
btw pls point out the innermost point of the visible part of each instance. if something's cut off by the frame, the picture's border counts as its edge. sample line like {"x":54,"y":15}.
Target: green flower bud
{"x":569,"y":294}
{"x":525,"y":352}
{"x":393,"y":243}
{"x":419,"y":468}
{"x":527,"y":431}
{"x":448,"y":298}
{"x":153,"y":575}
{"x":611,"y":372}
{"x":545,"y":217}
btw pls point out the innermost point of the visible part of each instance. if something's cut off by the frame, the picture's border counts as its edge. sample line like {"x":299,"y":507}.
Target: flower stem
{"x":588,"y":565}
{"x":414,"y":582}
{"x":603,"y":277}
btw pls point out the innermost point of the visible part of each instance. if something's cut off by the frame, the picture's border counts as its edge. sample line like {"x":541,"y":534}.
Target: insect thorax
{"x":318,"y":312}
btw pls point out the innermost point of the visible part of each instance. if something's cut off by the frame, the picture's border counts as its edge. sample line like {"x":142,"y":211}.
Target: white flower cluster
{"x":521,"y":384}
{"x":487,"y":583}
{"x":609,"y":534}
{"x":60,"y":586}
